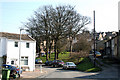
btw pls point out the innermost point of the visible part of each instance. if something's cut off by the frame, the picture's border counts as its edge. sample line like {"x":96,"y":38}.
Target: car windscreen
{"x":97,"y":52}
{"x":60,"y":61}
{"x":70,"y":63}
{"x":39,"y":59}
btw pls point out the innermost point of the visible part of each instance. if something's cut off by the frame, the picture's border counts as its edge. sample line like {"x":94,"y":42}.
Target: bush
{"x":76,"y":56}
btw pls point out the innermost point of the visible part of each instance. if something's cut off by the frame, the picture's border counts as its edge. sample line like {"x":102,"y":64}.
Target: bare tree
{"x":83,"y":43}
{"x":55,"y":24}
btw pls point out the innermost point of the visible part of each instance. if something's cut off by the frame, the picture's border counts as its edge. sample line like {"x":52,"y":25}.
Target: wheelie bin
{"x":5,"y":74}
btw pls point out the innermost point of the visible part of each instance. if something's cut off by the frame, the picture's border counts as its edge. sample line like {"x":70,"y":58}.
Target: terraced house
{"x":10,"y":47}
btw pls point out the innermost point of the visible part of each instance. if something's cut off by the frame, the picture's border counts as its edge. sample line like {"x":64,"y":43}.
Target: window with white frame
{"x":16,"y":44}
{"x":24,"y":60}
{"x":27,"y":45}
{"x":12,"y":62}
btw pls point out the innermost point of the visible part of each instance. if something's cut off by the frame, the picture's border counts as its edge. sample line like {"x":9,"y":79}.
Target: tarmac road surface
{"x":111,"y":72}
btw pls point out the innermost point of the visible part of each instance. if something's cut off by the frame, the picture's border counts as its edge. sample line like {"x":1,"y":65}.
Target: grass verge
{"x":87,"y":66}
{"x":62,"y":56}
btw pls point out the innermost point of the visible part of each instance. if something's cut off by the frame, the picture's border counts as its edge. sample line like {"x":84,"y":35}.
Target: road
{"x":61,"y":73}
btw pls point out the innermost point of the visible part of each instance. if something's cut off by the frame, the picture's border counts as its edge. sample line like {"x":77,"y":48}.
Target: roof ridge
{"x":16,"y":36}
{"x":13,"y":33}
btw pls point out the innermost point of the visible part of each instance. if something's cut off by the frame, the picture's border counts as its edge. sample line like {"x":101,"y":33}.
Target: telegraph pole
{"x":94,"y":36}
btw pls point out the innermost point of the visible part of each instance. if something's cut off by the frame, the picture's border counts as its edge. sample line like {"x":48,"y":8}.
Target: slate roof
{"x":16,"y":36}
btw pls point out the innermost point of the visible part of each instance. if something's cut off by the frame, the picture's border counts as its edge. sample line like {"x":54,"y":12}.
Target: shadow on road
{"x":66,"y":70}
{"x":50,"y":67}
{"x":98,"y":77}
{"x":110,"y":73}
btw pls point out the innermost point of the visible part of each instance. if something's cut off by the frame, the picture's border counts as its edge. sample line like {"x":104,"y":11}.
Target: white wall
{"x":0,"y":48}
{"x":3,"y":44}
{"x":13,"y":53}
{"x":0,"y":54}
{"x":30,"y":52}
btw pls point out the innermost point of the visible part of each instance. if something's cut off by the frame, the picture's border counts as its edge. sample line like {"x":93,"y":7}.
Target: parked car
{"x":38,"y":61}
{"x":69,"y":65}
{"x":57,"y":63}
{"x":43,"y":54}
{"x":14,"y":71}
{"x":48,"y":63}
{"x":98,"y":54}
{"x":60,"y":63}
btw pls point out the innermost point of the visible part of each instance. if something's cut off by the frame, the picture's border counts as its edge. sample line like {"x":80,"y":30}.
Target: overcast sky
{"x":12,"y":12}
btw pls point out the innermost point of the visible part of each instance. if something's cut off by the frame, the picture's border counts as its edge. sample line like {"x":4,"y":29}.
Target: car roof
{"x":6,"y":65}
{"x":38,"y":59}
{"x":69,"y":62}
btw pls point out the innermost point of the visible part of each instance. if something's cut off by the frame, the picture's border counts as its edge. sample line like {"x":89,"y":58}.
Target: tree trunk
{"x":38,"y":49}
{"x":46,"y":55}
{"x":70,"y":47}
{"x":49,"y":53}
{"x":57,"y":53}
{"x":50,"y":47}
{"x":46,"y":51}
{"x":55,"y":45}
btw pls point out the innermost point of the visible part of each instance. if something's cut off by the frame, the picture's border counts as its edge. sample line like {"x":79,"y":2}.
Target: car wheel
{"x":14,"y":76}
{"x":66,"y":68}
{"x":57,"y":65}
{"x":53,"y":65}
{"x":19,"y":75}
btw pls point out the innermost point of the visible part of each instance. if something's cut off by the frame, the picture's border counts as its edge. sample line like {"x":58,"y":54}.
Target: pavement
{"x":108,"y":70}
{"x":33,"y":74}
{"x":30,"y":74}
{"x":101,"y":64}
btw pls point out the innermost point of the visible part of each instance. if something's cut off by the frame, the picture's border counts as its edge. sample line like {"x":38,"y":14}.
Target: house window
{"x":16,"y":44}
{"x":12,"y":62}
{"x":27,"y":45}
{"x":24,"y":60}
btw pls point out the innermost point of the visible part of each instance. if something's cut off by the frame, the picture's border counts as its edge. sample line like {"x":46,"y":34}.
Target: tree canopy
{"x":49,"y":23}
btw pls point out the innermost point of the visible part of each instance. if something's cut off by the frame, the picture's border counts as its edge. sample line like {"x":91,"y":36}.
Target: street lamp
{"x":94,"y":38}
{"x":20,"y":51}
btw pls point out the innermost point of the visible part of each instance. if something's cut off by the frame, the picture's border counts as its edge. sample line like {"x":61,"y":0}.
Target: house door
{"x":4,"y":59}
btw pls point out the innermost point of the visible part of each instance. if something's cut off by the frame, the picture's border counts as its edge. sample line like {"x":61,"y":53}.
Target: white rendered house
{"x":10,"y":46}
